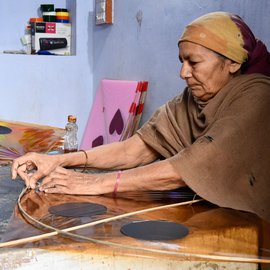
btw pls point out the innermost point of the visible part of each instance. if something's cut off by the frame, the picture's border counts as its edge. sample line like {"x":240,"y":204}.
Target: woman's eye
{"x":192,"y":63}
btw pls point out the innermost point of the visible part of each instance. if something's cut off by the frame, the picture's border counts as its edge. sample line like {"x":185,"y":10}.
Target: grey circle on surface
{"x":155,"y":230}
{"x":78,"y":209}
{"x":5,"y":130}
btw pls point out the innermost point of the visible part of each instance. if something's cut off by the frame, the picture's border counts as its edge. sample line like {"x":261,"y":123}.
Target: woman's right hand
{"x":33,"y":166}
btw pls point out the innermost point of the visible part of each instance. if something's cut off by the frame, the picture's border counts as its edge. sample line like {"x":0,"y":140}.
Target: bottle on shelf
{"x":70,"y":138}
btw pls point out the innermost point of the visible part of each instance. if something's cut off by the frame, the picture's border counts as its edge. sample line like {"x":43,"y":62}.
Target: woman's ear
{"x":234,"y":67}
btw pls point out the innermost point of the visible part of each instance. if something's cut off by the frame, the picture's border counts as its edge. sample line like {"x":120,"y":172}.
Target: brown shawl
{"x":221,"y":149}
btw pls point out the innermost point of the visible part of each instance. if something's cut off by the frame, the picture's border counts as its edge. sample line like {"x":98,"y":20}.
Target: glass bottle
{"x":70,"y":138}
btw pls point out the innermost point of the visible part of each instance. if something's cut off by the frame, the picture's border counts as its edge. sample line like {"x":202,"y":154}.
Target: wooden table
{"x":218,"y":238}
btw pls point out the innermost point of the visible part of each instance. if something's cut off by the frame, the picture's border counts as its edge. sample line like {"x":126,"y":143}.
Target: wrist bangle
{"x":118,"y":176}
{"x":86,"y":160}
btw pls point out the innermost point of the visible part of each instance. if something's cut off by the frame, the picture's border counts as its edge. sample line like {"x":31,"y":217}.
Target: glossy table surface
{"x":9,"y":192}
{"x":215,"y":234}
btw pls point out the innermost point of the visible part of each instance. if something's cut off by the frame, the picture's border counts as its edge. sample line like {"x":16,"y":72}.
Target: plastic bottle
{"x":70,"y":138}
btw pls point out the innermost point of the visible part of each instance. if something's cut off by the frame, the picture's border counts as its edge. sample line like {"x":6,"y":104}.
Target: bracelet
{"x":117,"y":183}
{"x":86,"y":160}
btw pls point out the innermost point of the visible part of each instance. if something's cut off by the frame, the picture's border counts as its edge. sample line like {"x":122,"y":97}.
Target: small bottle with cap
{"x":70,"y":138}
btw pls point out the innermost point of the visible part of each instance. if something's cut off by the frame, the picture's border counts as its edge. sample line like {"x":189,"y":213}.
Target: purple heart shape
{"x":117,"y":123}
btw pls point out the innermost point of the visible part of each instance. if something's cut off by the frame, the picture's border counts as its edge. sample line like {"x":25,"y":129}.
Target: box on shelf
{"x":51,"y":37}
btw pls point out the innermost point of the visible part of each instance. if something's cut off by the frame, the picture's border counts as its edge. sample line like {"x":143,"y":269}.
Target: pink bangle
{"x":117,"y":183}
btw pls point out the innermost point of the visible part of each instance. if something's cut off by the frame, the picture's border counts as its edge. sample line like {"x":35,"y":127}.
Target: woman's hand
{"x":24,"y":167}
{"x":156,"y":176}
{"x":70,"y":182}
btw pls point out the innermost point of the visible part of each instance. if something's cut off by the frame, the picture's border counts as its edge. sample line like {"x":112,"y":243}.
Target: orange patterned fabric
{"x":216,"y":31}
{"x":228,"y":35}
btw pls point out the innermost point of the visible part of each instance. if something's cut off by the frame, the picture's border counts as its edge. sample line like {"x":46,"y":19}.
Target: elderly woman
{"x":214,"y":137}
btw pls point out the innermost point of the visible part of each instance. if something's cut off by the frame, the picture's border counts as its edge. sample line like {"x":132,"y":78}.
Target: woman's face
{"x":204,"y":71}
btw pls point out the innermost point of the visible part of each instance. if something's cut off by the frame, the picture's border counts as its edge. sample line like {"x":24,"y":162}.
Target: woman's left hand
{"x":71,"y":182}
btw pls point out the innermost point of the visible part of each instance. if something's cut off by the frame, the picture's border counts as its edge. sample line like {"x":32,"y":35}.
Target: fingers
{"x":58,"y":177}
{"x":52,"y":184}
{"x":55,"y":185}
{"x":29,"y":177}
{"x":22,"y":172}
{"x":62,"y":181}
{"x":57,"y":189}
{"x":58,"y":174}
{"x":14,"y":168}
{"x":16,"y":165}
{"x":33,"y":178}
{"x":23,"y":167}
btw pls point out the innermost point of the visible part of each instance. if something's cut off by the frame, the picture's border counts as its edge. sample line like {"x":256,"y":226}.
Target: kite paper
{"x":116,"y":112}
{"x":18,"y":138}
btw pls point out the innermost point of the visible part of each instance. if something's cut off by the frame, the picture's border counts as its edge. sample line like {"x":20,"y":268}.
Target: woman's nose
{"x":185,"y":71}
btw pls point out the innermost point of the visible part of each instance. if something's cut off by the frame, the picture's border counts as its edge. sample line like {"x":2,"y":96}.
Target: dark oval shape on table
{"x":78,"y":209}
{"x":155,"y":230}
{"x":5,"y":130}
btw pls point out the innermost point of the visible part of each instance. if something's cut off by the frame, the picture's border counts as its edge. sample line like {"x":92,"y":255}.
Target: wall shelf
{"x":11,"y":35}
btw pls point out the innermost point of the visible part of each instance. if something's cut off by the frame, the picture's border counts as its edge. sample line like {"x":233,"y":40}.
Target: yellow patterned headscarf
{"x":228,"y":35}
{"x":217,"y":31}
